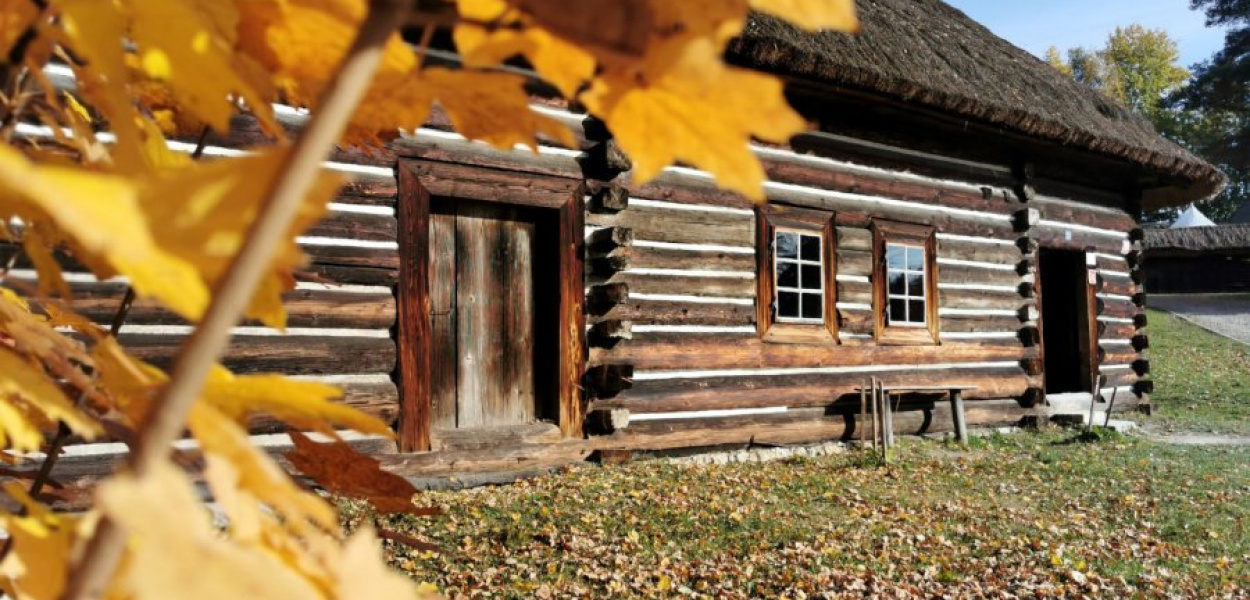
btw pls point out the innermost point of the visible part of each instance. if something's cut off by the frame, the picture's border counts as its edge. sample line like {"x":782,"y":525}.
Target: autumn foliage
{"x":86,"y":171}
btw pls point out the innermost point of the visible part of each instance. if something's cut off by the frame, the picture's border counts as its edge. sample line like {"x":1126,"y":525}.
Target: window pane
{"x":897,"y":284}
{"x":915,"y":259}
{"x":895,"y":256}
{"x":813,"y":306}
{"x":915,"y":311}
{"x":787,"y":305}
{"x":811,"y":277}
{"x":898,"y":311}
{"x":787,"y":244}
{"x":915,"y":285}
{"x":811,"y":248}
{"x":787,"y":275}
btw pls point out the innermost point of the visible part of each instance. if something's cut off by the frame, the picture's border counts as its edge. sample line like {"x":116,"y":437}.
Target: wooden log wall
{"x":681,"y":275}
{"x":670,"y":284}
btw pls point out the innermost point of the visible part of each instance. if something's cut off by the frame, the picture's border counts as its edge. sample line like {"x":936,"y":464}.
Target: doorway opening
{"x":493,"y":317}
{"x":1066,"y":299}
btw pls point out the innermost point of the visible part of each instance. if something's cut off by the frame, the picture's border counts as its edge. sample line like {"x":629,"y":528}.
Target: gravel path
{"x":1225,"y":314}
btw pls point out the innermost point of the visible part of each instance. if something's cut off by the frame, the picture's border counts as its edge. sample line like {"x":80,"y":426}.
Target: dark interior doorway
{"x":495,"y":334}
{"x":1064,"y":293}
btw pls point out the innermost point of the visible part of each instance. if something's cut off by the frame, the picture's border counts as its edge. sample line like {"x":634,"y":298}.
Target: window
{"x":905,"y":283}
{"x":905,"y":274}
{"x":798,"y":260}
{"x":794,"y":297}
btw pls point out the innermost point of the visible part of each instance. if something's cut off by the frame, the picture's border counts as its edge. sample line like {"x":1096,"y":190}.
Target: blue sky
{"x":1036,"y":25}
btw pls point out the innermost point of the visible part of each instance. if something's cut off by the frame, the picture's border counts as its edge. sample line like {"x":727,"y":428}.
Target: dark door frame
{"x":1091,"y":310}
{"x":418,"y":181}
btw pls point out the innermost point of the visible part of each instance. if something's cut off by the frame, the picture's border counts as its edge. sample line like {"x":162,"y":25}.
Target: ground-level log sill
{"x":527,"y":451}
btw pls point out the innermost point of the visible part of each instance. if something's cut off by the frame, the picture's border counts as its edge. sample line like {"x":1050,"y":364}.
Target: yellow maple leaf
{"x":812,"y":15}
{"x":33,"y":336}
{"x":705,"y":120}
{"x":190,"y":46}
{"x":556,"y":60}
{"x":302,"y":41}
{"x":175,"y":551}
{"x":220,"y":199}
{"x":364,"y":575}
{"x":38,"y":248}
{"x":173,"y":232}
{"x":37,"y":564}
{"x":28,"y":399}
{"x":259,"y":474}
{"x":488,"y":106}
{"x":304,"y":405}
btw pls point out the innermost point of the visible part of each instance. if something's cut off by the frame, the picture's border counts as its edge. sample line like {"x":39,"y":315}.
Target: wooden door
{"x":482,"y":313}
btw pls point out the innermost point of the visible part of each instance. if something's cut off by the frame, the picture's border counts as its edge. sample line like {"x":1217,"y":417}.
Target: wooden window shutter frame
{"x":885,"y":232}
{"x":770,"y":218}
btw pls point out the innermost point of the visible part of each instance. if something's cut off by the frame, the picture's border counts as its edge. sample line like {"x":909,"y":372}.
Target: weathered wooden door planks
{"x":482,"y":315}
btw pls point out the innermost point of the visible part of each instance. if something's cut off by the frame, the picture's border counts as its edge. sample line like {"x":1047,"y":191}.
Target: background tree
{"x":1139,"y":68}
{"x":1220,"y":93}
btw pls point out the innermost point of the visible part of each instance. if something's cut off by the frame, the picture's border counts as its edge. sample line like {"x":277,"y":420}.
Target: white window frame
{"x":798,"y":262}
{"x":907,"y":297}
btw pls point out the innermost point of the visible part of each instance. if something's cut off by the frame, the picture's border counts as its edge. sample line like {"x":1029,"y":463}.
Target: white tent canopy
{"x":1192,"y":217}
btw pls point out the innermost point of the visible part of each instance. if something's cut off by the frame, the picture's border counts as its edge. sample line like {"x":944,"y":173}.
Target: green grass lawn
{"x":1202,"y":380}
{"x":1031,"y":514}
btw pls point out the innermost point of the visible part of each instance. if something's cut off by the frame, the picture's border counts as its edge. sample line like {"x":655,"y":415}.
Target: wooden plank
{"x":660,"y":224}
{"x":815,"y":395}
{"x":571,"y":363}
{"x":479,"y":331}
{"x":292,"y":355}
{"x":947,"y":273}
{"x":885,"y":184}
{"x":1009,"y":255}
{"x":353,"y":256}
{"x":305,"y":308}
{"x":687,"y":433}
{"x":679,"y":313}
{"x":463,"y":152}
{"x":451,"y":180}
{"x":415,"y":336}
{"x":979,"y":300}
{"x":444,"y":351}
{"x":974,"y":324}
{"x":663,"y":258}
{"x":322,"y":273}
{"x":697,"y":285}
{"x":719,"y":351}
{"x":355,"y":226}
{"x":1083,"y":215}
{"x":802,"y":389}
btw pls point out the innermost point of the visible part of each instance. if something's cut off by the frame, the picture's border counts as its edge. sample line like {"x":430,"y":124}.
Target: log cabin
{"x":959,"y":214}
{"x":1198,"y":260}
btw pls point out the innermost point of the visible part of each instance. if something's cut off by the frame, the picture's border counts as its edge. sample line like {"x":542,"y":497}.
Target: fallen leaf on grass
{"x":342,"y":470}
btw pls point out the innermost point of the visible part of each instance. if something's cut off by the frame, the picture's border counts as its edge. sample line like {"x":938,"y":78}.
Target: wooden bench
{"x":954,"y":392}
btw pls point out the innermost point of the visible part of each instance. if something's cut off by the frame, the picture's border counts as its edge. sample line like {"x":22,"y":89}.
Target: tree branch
{"x":92,"y":573}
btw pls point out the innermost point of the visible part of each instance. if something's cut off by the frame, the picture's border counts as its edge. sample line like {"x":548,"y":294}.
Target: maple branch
{"x":62,"y":430}
{"x":197,"y":356}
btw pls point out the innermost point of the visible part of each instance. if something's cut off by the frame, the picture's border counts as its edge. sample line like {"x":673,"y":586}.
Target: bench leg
{"x":957,"y":413}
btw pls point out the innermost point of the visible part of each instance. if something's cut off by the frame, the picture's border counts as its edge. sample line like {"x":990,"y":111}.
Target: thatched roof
{"x":1199,"y":239}
{"x":930,"y":54}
